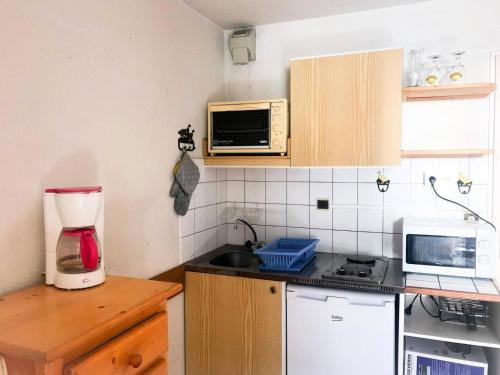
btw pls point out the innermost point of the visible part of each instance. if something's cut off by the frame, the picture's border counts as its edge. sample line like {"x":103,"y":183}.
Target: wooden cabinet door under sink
{"x":346,"y":109}
{"x":234,"y":325}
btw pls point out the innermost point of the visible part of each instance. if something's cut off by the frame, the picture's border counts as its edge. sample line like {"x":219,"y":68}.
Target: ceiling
{"x":231,"y":14}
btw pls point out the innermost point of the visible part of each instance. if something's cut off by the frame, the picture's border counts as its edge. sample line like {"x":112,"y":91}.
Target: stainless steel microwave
{"x":248,"y":127}
{"x":449,"y":247}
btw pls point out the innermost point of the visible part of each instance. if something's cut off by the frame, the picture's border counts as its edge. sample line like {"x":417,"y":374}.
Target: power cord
{"x":408,"y":309}
{"x":432,"y":180}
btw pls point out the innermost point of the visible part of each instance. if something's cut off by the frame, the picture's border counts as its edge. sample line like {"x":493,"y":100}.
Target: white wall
{"x":93,"y":92}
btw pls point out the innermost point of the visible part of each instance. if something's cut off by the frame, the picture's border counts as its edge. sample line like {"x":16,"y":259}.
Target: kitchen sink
{"x":236,"y":259}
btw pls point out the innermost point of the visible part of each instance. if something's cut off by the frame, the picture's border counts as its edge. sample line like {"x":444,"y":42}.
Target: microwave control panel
{"x":279,"y":127}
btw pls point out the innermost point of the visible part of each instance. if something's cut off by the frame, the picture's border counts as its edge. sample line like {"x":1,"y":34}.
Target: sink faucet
{"x":256,"y":244}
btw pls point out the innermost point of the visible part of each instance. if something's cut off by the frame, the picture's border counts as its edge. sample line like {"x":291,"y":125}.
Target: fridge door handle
{"x":311,"y":297}
{"x":380,"y":303}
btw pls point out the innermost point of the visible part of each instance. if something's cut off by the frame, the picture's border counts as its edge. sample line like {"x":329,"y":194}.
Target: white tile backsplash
{"x":320,"y":218}
{"x":392,"y":245}
{"x":211,"y":218}
{"x":275,"y":174}
{"x":479,"y":171}
{"x":345,"y":218}
{"x":235,"y":191}
{"x":297,"y":216}
{"x":255,"y":213}
{"x":276,"y":192}
{"x":187,"y":249}
{"x":200,"y":243}
{"x":255,"y":192}
{"x":221,"y":213}
{"x":345,"y":242}
{"x":255,"y":174}
{"x":235,"y":174}
{"x":345,"y":193}
{"x":210,"y":174}
{"x":222,"y":235}
{"x":276,"y":214}
{"x":422,"y":197}
{"x":478,"y":198}
{"x":451,"y":168}
{"x":345,"y":175}
{"x":401,"y":174}
{"x":319,"y":190}
{"x":325,"y":239}
{"x":236,"y":234}
{"x":187,"y":223}
{"x":393,"y":219}
{"x":297,"y":233}
{"x":369,"y":195}
{"x":221,"y":191}
{"x":398,"y":195}
{"x":297,"y":193}
{"x":221,"y":174}
{"x":297,"y":174}
{"x":422,"y":169}
{"x":370,"y":219}
{"x":199,"y":198}
{"x":260,"y":230}
{"x":200,"y":219}
{"x":275,"y":233}
{"x":370,"y":243}
{"x":212,"y":239}
{"x":368,"y":174}
{"x":281,"y":202}
{"x":320,"y":174}
{"x":210,"y":193}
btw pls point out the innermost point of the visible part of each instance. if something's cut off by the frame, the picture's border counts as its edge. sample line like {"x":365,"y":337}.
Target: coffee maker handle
{"x":89,"y":251}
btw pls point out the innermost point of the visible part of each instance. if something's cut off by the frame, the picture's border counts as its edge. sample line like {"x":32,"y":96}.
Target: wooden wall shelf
{"x":457,"y":153}
{"x":448,"y":92}
{"x":245,"y":160}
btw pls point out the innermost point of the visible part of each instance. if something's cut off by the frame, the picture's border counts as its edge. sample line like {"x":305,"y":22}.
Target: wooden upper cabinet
{"x":234,"y":325}
{"x":346,"y":110}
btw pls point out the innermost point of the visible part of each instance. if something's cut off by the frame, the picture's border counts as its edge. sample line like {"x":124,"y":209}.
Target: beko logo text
{"x":408,"y":364}
{"x":337,"y":318}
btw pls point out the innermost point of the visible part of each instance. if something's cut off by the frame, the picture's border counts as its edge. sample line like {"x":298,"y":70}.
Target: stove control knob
{"x":363,"y":274}
{"x":341,"y":271}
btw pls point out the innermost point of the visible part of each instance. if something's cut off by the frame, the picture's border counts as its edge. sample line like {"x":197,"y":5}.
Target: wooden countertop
{"x":44,"y":323}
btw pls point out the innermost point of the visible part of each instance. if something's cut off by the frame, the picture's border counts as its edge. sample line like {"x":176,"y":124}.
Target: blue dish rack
{"x":287,"y":254}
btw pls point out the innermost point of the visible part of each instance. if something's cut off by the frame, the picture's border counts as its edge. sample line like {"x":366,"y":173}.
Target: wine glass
{"x":434,"y":73}
{"x":457,"y":70}
{"x":412,"y":74}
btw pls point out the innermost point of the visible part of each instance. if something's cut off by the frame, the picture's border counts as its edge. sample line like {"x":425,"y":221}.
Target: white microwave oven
{"x":248,"y":127}
{"x":449,"y":247}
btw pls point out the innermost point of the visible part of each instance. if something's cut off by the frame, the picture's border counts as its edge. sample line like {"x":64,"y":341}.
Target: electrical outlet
{"x":470,"y":217}
{"x":322,"y":204}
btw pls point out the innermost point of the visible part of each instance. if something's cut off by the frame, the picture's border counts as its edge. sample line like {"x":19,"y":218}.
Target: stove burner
{"x":354,"y":269}
{"x":361,"y":259}
{"x":357,"y":269}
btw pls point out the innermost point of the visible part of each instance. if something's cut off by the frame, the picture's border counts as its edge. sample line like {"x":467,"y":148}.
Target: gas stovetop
{"x":358,"y":268}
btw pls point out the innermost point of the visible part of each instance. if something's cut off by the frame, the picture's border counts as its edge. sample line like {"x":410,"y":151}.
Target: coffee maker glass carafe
{"x":78,"y":250}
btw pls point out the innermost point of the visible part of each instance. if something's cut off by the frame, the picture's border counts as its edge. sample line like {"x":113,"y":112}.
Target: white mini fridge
{"x":335,"y":331}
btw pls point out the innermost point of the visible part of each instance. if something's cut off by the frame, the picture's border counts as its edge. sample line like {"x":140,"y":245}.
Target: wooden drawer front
{"x":129,"y":353}
{"x":157,"y":368}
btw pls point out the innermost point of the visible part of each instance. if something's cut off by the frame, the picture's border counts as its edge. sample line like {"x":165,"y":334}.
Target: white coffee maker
{"x":73,"y":231}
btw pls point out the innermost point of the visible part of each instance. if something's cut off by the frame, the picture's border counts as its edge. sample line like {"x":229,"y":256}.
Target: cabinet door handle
{"x":272,"y":290}
{"x":135,"y":360}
